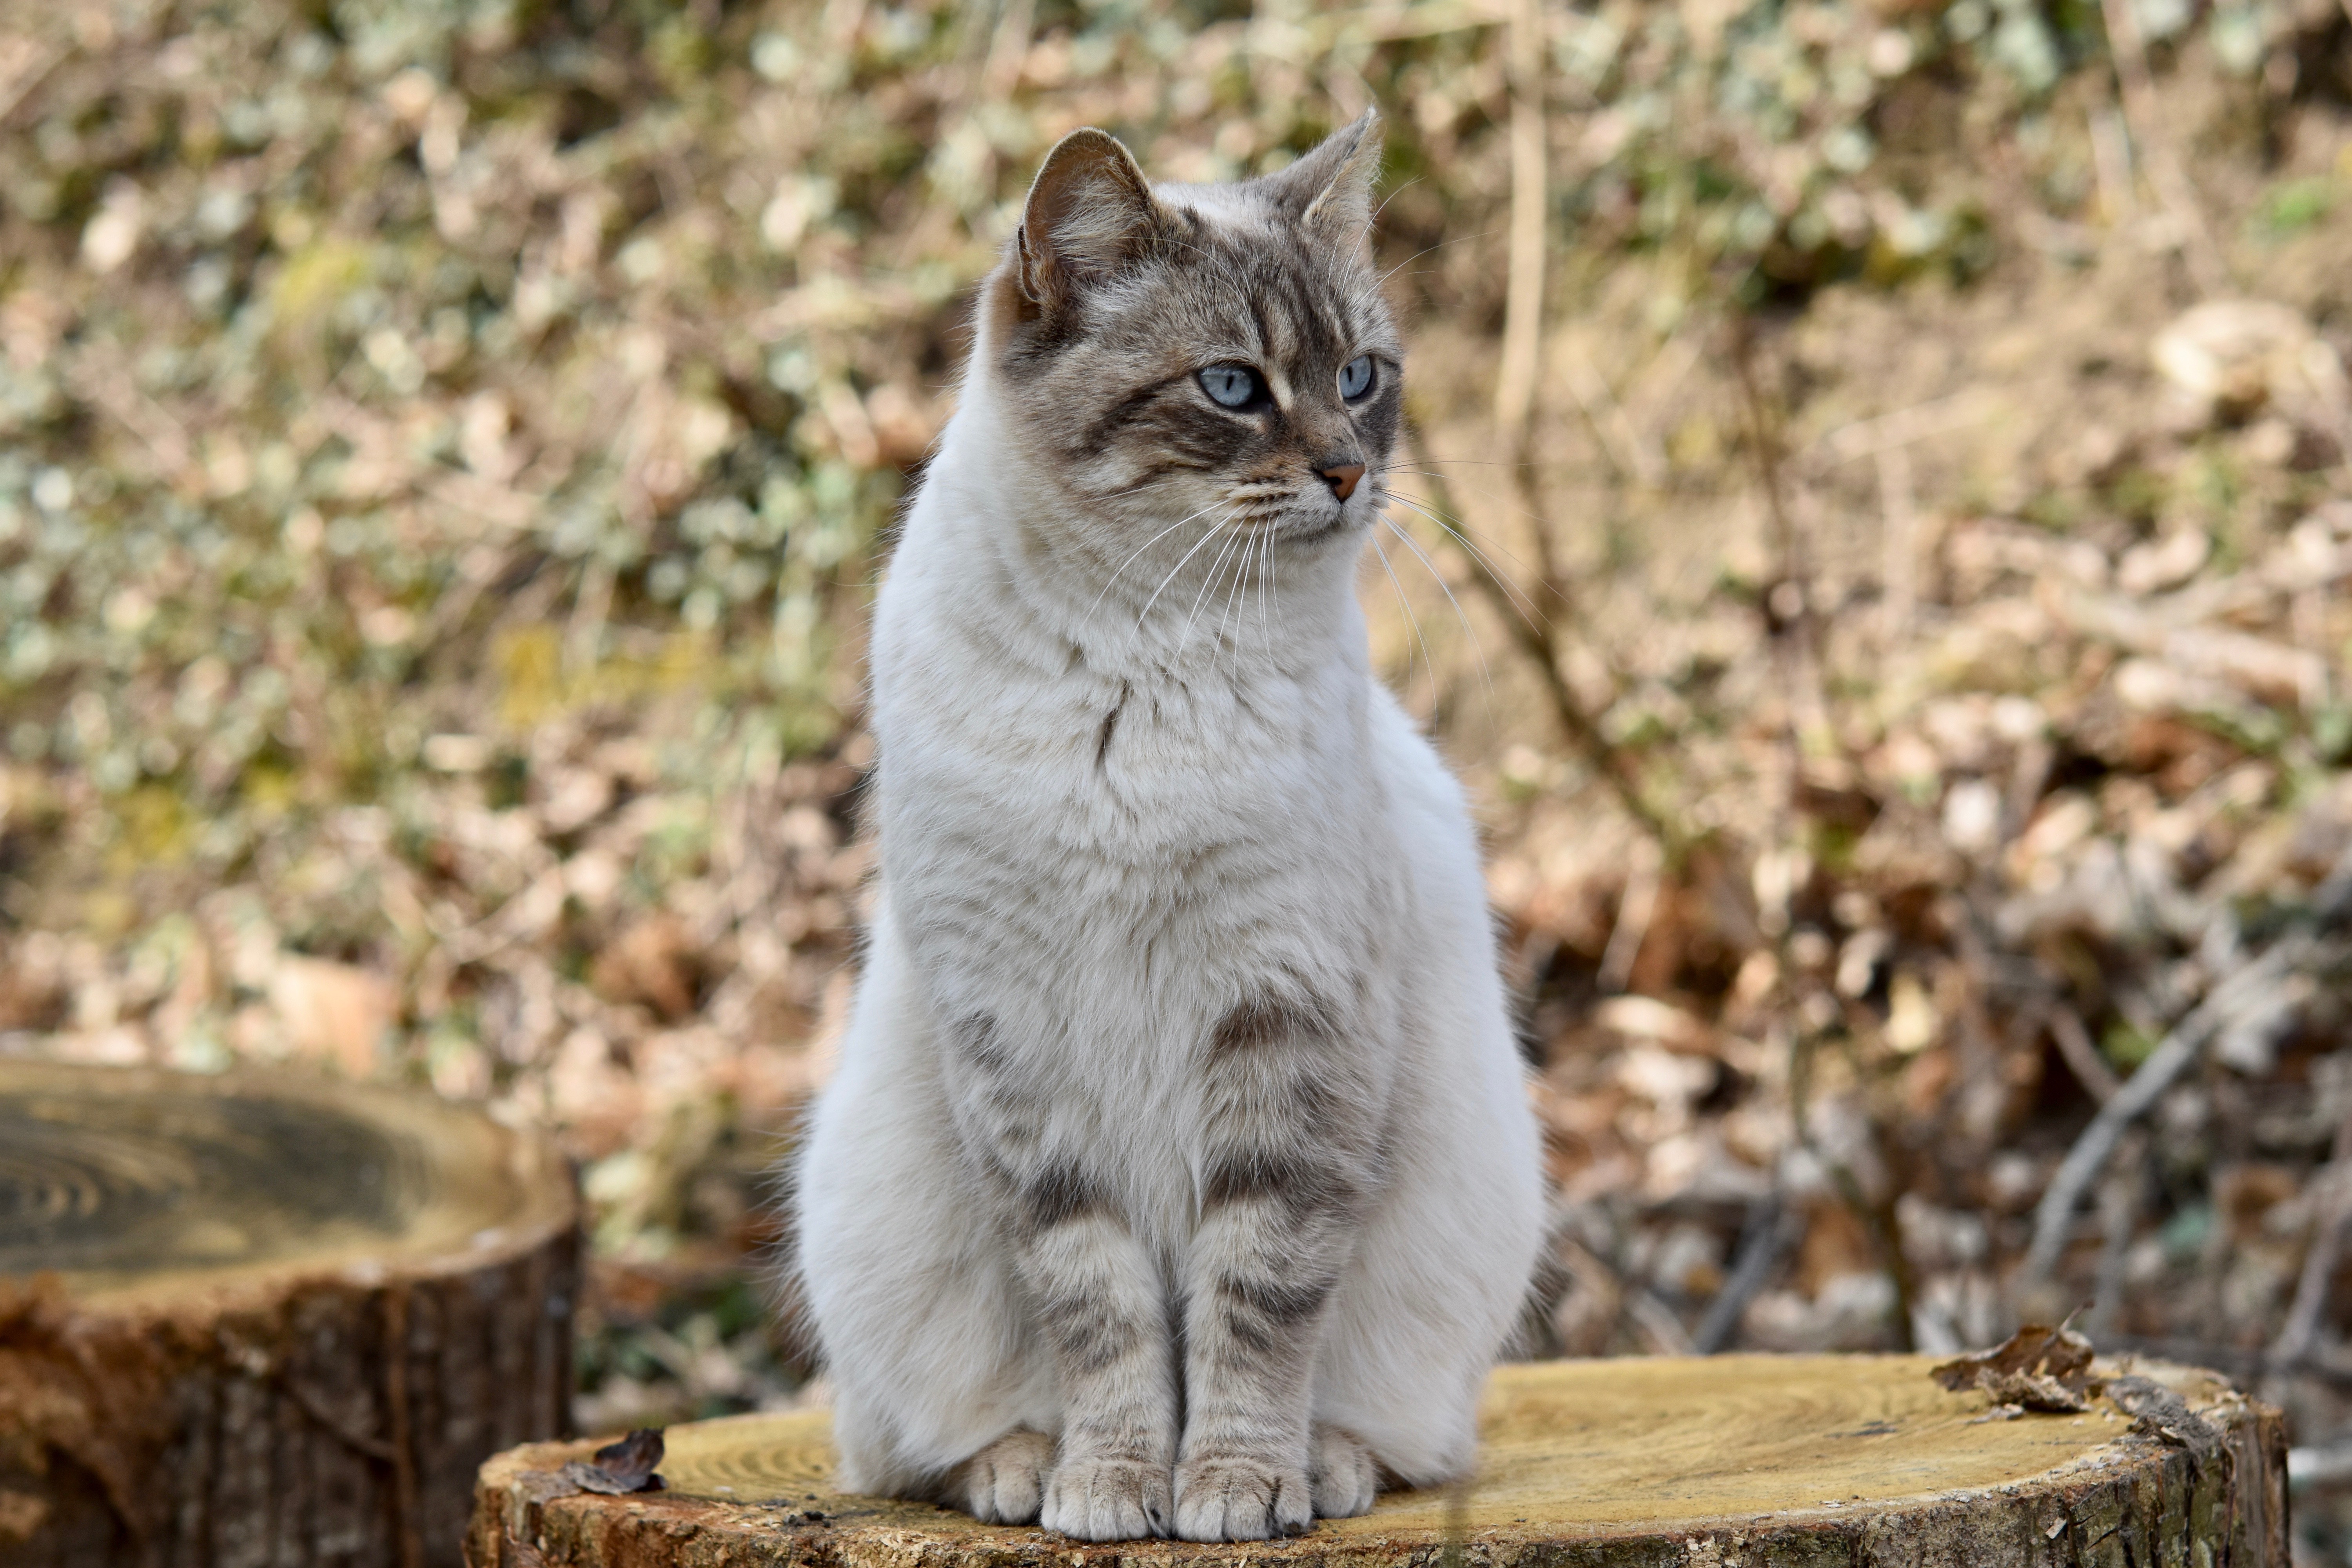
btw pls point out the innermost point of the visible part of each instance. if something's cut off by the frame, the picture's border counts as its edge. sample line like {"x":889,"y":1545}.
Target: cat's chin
{"x":1311,"y":533}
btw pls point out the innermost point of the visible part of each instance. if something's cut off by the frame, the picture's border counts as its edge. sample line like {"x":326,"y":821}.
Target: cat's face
{"x":1202,"y":357}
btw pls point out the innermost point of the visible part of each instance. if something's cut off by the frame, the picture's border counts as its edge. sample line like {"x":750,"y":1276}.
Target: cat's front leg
{"x":1288,"y":1160}
{"x":1101,"y":1302}
{"x":1096,"y":1292}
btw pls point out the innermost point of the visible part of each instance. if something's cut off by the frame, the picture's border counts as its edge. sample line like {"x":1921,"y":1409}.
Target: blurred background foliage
{"x":1874,"y":540}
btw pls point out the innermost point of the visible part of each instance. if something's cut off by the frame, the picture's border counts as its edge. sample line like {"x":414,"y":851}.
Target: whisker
{"x":1224,"y":612}
{"x":1237,"y":599}
{"x":1171,"y":575}
{"x":1273,"y":586}
{"x":1512,"y":502}
{"x":1474,"y":462}
{"x":1216,"y":571}
{"x":1237,"y":596}
{"x":1387,"y":199}
{"x":1265,"y":581}
{"x":1486,"y":673}
{"x":1140,"y":549}
{"x":1412,"y":621}
{"x":1536,"y":518}
{"x":1518,"y":598}
{"x":1458,"y":240}
{"x":1520,"y":603}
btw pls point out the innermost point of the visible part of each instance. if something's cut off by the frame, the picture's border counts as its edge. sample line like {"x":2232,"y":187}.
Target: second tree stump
{"x":266,"y":1322}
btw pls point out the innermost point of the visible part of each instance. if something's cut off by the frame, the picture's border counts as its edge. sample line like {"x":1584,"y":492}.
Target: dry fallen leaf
{"x":2037,"y":1368}
{"x":619,"y":1468}
{"x":627,"y":1466}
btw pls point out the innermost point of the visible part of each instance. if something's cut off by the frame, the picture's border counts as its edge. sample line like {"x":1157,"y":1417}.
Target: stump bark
{"x":1726,"y":1462}
{"x":266,"y":1322}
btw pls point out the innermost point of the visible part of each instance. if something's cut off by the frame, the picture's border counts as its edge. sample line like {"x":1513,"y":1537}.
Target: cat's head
{"x":1215,"y":354}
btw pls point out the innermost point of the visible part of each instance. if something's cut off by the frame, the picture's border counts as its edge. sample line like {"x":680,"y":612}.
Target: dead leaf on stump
{"x":617,"y":1468}
{"x":2036,"y":1368}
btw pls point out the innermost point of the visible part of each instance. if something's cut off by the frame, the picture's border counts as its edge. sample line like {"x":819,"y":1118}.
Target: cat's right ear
{"x":1089,"y":211}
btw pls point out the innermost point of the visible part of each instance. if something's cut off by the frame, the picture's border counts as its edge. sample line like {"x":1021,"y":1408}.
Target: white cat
{"x":1178,"y":1176}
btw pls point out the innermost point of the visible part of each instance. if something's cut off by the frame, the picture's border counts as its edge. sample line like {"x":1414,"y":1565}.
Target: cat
{"x":1178,"y":1177}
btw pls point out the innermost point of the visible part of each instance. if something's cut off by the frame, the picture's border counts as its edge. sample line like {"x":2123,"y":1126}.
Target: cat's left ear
{"x":1330,"y":189}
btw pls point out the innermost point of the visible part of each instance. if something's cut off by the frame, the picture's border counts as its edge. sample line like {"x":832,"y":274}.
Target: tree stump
{"x":266,"y":1322}
{"x":1728,"y":1462}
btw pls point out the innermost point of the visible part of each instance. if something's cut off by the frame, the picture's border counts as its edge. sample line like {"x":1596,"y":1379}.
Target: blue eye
{"x":1230,"y":385}
{"x":1356,"y":377}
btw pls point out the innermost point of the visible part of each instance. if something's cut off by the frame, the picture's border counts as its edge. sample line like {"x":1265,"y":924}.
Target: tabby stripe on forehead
{"x":1258,"y":321}
{"x":1319,"y":327}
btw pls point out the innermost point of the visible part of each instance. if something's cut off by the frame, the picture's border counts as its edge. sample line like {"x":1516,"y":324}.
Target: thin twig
{"x":103,"y":379}
{"x":1877,"y":1220}
{"x":2053,"y":1218}
{"x":2143,"y":119}
{"x":1540,"y":643}
{"x":1637,"y":906}
{"x":1008,"y":51}
{"x":1515,"y":381}
{"x":1773,"y":1227}
{"x":2119,"y":1207}
{"x":1628,"y":453}
{"x":2335,"y":1211}
{"x":1656,"y":1323}
{"x":2081,"y":1058}
{"x":17,"y":92}
{"x":1763,"y":441}
{"x":1802,"y":646}
{"x":1899,"y":507}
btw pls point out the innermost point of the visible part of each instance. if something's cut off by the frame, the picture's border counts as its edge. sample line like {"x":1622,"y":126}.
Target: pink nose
{"x":1342,"y":478}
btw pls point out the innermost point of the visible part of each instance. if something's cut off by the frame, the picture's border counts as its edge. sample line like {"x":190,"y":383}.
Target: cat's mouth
{"x":1305,"y":523}
{"x":1302,"y":520}
{"x":1316,"y":531}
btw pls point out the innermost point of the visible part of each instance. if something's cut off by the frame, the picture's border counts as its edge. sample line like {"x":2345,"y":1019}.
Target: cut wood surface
{"x":1721,"y":1462}
{"x":266,"y":1320}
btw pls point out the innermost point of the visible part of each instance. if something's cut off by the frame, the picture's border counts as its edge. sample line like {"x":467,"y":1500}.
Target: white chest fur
{"x":1104,"y":829}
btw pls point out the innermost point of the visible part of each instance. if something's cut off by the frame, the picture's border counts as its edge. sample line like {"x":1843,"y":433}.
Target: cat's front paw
{"x":1345,"y":1478}
{"x":1241,"y":1498}
{"x":1005,"y":1483}
{"x":1107,"y":1500}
